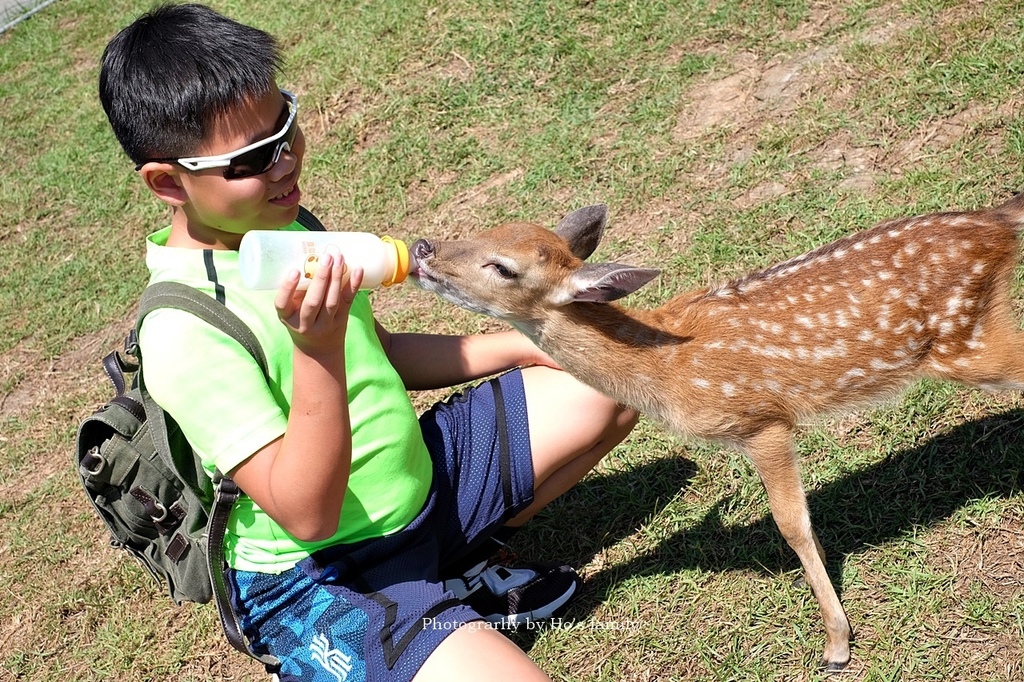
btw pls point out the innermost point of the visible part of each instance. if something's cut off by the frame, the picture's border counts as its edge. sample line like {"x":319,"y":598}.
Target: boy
{"x":352,"y":506}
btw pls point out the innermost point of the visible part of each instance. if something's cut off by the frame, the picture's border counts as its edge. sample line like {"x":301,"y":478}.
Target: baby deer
{"x":744,"y":362}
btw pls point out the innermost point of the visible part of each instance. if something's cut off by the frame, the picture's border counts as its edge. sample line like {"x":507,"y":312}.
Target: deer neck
{"x":617,"y":351}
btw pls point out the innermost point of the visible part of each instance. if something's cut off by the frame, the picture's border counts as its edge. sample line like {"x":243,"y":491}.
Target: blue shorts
{"x":375,"y":610}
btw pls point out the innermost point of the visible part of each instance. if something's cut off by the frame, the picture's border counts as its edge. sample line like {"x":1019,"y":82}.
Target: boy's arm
{"x":426,"y":361}
{"x":300,"y":479}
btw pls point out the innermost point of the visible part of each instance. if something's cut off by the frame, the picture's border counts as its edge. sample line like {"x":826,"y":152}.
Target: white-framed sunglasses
{"x":254,"y":159}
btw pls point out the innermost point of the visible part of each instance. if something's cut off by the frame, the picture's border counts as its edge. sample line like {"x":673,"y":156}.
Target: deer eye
{"x":503,"y":272}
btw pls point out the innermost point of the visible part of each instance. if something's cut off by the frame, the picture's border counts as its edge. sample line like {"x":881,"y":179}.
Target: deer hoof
{"x":832,"y":667}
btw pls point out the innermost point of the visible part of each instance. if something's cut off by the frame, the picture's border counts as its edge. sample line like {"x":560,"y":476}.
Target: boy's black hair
{"x":167,"y":76}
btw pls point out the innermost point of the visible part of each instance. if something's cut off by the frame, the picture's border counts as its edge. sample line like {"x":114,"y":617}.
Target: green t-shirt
{"x":219,"y":397}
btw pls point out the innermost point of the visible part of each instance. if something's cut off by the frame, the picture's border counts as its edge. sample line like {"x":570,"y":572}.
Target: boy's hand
{"x":318,"y":317}
{"x":541,"y":359}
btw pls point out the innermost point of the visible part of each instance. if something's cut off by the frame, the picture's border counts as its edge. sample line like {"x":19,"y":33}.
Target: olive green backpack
{"x":145,"y":481}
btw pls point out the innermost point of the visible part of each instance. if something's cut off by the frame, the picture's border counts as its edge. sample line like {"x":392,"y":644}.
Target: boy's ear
{"x":164,"y":180}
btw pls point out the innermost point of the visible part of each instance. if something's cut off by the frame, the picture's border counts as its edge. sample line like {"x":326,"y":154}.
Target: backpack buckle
{"x":92,"y":461}
{"x":131,"y":343}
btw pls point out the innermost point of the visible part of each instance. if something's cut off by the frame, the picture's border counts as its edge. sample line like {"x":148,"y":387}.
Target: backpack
{"x":143,"y":478}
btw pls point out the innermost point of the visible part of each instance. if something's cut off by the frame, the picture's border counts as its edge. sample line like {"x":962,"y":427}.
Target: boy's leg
{"x":572,"y":427}
{"x":478,"y":653}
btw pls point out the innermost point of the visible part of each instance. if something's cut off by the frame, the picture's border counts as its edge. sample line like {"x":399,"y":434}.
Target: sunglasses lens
{"x":259,"y":160}
{"x":253,"y":162}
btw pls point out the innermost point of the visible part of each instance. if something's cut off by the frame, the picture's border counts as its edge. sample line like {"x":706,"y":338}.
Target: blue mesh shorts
{"x":375,"y":610}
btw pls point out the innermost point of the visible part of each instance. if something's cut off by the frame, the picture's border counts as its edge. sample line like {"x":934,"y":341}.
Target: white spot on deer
{"x":792,"y":300}
{"x":884,"y":275}
{"x":884,"y":311}
{"x":974,"y":343}
{"x":859,"y":246}
{"x":962,"y":362}
{"x":841,"y":319}
{"x":915,"y":344}
{"x":775,"y":352}
{"x":945,"y":328}
{"x":953,"y":304}
{"x":979,"y":267}
{"x":700,"y":383}
{"x":851,"y":374}
{"x":728,"y":390}
{"x":804,"y":321}
{"x":824,"y":353}
{"x":910,"y":248}
{"x":874,"y":240}
{"x":837,"y":255}
{"x":942,"y":349}
{"x":882,"y":365}
{"x":909,"y":325}
{"x":865,"y":335}
{"x":867,"y":282}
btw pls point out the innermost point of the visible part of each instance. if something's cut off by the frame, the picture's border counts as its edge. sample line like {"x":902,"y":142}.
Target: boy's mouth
{"x":287,"y":197}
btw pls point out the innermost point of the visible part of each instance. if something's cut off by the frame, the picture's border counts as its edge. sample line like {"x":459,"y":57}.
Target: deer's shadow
{"x":918,"y":486}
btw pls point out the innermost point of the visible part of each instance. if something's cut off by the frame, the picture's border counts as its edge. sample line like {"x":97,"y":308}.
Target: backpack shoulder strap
{"x":310,"y":221}
{"x":189,"y":299}
{"x":184,"y":297}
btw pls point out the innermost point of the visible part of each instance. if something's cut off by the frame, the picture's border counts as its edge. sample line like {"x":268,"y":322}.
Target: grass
{"x":724,"y":135}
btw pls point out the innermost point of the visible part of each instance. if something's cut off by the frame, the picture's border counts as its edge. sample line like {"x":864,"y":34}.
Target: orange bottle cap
{"x":401,"y":261}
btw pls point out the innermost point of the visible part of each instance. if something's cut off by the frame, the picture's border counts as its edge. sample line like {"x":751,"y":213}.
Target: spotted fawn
{"x":744,"y":362}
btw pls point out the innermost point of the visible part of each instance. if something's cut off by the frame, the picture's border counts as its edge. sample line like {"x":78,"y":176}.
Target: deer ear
{"x":603,"y":282}
{"x":583,"y":229}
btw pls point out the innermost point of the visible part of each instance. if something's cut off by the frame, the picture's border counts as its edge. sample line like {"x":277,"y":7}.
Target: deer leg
{"x":773,"y":456}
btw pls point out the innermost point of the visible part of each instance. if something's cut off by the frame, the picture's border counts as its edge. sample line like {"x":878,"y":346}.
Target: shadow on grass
{"x":920,"y":486}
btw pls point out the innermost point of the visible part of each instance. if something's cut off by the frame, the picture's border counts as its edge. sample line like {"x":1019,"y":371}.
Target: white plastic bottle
{"x":266,"y":256}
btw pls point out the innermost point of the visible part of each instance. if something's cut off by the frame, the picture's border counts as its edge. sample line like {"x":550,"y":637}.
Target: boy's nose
{"x":285,"y":164}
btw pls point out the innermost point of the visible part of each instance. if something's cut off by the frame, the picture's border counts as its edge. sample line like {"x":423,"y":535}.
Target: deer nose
{"x":422,"y":249}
